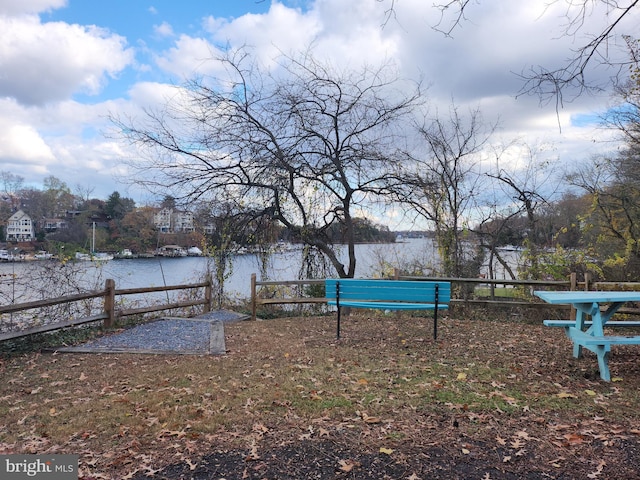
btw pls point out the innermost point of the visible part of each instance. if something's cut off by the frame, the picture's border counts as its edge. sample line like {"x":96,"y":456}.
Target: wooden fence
{"x":526,"y":287}
{"x":109,"y":314}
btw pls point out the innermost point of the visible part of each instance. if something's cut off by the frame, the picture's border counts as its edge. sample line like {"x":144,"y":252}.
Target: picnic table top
{"x":582,"y":296}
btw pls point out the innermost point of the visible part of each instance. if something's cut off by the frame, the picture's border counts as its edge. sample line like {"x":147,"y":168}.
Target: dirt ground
{"x":490,"y":399}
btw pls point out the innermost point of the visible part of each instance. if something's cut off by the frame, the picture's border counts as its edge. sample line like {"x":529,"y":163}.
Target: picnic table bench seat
{"x":388,"y":295}
{"x":610,"y":323}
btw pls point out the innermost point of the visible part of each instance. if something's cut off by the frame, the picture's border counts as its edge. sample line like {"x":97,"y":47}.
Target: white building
{"x":162,"y":220}
{"x":173,"y":221}
{"x":182,"y":222}
{"x":20,"y":228}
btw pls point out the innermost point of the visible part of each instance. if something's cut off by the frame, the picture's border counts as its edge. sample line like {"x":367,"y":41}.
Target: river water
{"x":17,"y":279}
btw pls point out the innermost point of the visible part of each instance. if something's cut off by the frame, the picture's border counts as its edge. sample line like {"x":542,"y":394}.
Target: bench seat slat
{"x":572,"y":323}
{"x":612,"y":340}
{"x":587,"y":340}
{"x":389,"y":305}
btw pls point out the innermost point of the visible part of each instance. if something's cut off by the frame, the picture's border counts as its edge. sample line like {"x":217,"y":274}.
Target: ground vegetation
{"x":491,"y":399}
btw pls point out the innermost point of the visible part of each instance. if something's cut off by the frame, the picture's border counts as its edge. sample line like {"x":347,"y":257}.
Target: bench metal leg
{"x":435,"y":316}
{"x":339,"y":309}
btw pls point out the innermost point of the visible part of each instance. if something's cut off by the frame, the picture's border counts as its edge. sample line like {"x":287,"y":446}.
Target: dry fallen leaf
{"x":598,"y":470}
{"x":348,"y":465}
{"x":565,"y":395}
{"x":573,"y":439}
{"x":386,"y":451}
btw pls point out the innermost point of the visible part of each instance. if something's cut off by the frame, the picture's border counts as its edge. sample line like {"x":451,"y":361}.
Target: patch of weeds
{"x":49,"y":340}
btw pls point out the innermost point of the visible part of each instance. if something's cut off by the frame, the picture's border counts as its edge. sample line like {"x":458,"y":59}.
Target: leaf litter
{"x":489,"y":399}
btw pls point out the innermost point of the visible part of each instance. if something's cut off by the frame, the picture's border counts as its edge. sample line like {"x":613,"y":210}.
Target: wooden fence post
{"x":254,"y":300}
{"x":574,"y":284}
{"x":208,"y":294}
{"x":109,"y":302}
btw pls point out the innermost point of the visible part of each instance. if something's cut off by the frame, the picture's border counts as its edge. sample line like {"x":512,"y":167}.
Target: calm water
{"x":17,"y":280}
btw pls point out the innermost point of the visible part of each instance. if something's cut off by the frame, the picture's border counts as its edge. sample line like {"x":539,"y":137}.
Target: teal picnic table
{"x":594,"y":311}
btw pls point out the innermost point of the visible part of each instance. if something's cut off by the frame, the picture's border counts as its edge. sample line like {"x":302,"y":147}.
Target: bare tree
{"x":443,"y":182}
{"x":527,"y":188}
{"x":84,"y":192}
{"x":600,"y":49}
{"x":11,"y":183}
{"x":302,"y":144}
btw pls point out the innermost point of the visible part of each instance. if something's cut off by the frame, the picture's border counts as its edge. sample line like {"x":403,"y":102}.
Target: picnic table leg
{"x":577,"y":348}
{"x":603,"y":362}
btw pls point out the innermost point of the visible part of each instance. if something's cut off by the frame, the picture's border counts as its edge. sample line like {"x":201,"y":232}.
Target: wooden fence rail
{"x":110,"y":314}
{"x":257,"y":298}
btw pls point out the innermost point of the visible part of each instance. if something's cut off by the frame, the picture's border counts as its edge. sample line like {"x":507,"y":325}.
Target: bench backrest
{"x":388,"y":290}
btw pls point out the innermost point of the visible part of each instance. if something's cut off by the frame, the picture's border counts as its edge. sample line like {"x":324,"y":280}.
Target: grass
{"x":385,"y":384}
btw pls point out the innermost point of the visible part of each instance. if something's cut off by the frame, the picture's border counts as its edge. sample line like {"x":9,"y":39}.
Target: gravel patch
{"x":202,"y":335}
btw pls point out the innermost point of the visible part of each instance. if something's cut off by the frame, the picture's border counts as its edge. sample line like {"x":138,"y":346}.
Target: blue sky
{"x":146,"y":27}
{"x":69,"y":64}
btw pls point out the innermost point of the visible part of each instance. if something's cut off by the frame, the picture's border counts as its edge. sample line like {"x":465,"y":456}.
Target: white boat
{"x":42,"y":255}
{"x":171,"y":251}
{"x":93,"y":257}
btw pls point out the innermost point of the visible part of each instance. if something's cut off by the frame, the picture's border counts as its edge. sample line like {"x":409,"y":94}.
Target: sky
{"x":67,"y":65}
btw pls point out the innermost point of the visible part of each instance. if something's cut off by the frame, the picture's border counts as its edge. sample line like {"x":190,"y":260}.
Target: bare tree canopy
{"x":442,"y":181}
{"x":611,"y":46}
{"x":303,"y":143}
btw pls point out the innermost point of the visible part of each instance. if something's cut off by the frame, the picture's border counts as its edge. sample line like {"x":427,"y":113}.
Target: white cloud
{"x":281,"y":29}
{"x":163,"y":30}
{"x":44,"y":62}
{"x":21,"y":144}
{"x":188,"y":56}
{"x":15,"y":7}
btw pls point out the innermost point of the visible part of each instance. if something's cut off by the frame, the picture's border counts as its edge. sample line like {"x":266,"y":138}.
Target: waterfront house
{"x":182,"y":221}
{"x":168,"y":220}
{"x":20,"y":228}
{"x":162,"y":220}
{"x":54,"y":224}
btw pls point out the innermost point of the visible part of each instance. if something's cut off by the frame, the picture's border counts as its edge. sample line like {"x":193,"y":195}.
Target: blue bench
{"x":388,"y":295}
